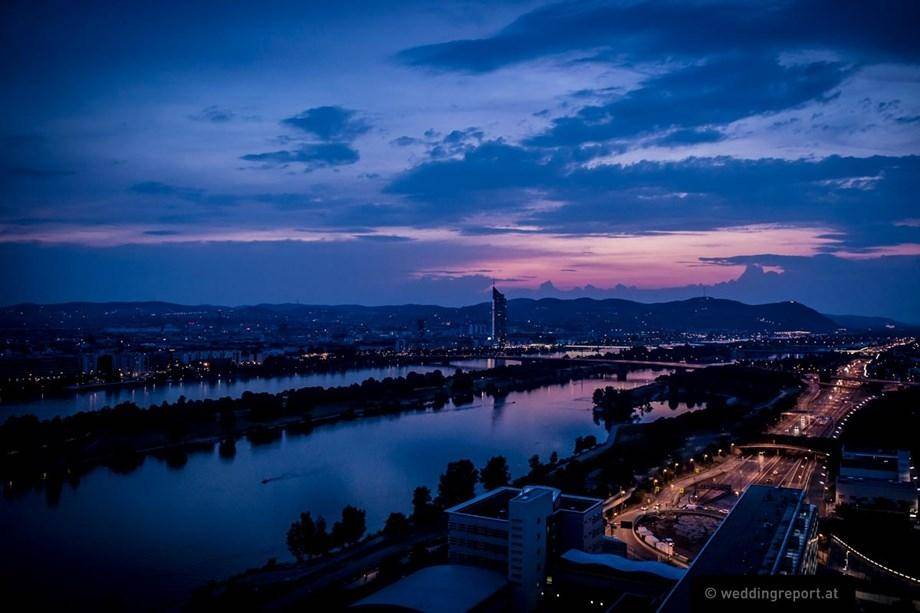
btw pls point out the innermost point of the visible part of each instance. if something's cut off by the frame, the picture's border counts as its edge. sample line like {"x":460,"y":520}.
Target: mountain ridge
{"x":692,"y":315}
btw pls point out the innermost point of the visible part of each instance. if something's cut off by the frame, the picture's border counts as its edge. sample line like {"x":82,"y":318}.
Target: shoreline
{"x":89,"y":447}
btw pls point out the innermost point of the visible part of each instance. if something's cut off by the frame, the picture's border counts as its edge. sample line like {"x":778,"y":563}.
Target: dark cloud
{"x":165,"y":191}
{"x":716,"y":92}
{"x":404,"y":141}
{"x":456,"y":137}
{"x":283,"y":201}
{"x":493,"y":231}
{"x":638,"y":30}
{"x":383,"y":238}
{"x":30,"y":159}
{"x":864,"y":197}
{"x":494,"y":165}
{"x":329,"y":123}
{"x":706,"y":65}
{"x":757,"y":64}
{"x":287,"y":201}
{"x":214,"y":114}
{"x":440,"y":146}
{"x":312,"y":156}
{"x":156,"y":188}
{"x":38,"y":173}
{"x":456,"y":142}
{"x":692,"y":136}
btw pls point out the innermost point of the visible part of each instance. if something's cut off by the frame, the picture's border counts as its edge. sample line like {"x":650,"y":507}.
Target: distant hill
{"x":860,"y":322}
{"x":579,"y":315}
{"x":696,"y":314}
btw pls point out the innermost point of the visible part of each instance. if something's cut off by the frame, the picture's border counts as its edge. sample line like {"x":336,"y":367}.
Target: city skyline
{"x":456,"y":305}
{"x":378,"y":154}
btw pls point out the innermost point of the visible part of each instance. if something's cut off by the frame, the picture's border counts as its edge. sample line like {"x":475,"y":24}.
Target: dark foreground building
{"x":770,"y":531}
{"x":525,"y":550}
{"x":519,"y":532}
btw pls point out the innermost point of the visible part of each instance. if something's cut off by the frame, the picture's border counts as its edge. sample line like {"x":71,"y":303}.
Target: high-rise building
{"x":519,"y":531}
{"x":499,"y":318}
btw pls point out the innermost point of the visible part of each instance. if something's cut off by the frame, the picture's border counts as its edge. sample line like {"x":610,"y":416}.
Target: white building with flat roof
{"x":518,"y":531}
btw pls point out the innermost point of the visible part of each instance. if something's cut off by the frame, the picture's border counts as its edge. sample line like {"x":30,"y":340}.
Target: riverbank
{"x":165,"y":527}
{"x":612,"y":466}
{"x":54,"y":451}
{"x":21,"y":392}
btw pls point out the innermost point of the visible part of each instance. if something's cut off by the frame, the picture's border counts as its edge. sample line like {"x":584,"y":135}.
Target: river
{"x":146,"y":395}
{"x":149,"y":537}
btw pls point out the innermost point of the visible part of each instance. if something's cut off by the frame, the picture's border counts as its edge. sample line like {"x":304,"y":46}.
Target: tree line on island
{"x":60,"y":449}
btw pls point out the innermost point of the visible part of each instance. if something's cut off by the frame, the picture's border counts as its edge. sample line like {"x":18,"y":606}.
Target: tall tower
{"x":529,"y":513}
{"x":499,"y":318}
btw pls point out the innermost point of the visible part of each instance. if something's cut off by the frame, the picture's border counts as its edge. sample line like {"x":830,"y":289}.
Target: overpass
{"x":539,"y":358}
{"x":649,"y":363}
{"x":869,"y":380}
{"x":802,"y":447}
{"x":694,"y":366}
{"x":653,"y":364}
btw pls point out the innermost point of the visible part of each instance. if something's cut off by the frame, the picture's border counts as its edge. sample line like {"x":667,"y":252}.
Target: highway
{"x":820,"y":408}
{"x":820,"y":412}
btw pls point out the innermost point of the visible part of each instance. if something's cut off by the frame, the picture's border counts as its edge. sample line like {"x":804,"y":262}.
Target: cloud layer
{"x":436,"y":145}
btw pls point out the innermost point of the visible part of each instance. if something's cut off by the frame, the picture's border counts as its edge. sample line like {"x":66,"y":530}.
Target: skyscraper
{"x":499,"y":318}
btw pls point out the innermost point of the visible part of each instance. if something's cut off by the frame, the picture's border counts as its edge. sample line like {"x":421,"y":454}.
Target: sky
{"x":385,"y":153}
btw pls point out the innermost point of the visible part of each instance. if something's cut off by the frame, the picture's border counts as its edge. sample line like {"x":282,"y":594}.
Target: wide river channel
{"x":147,"y":538}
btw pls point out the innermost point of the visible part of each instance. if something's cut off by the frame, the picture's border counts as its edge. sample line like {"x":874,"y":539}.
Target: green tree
{"x":321,"y":540}
{"x":396,"y":526}
{"x":458,"y":483}
{"x":538,"y":470}
{"x":352,"y":526}
{"x":598,"y":397}
{"x":534,"y":463}
{"x":616,"y":404}
{"x":300,"y":536}
{"x":583,"y":443}
{"x":423,"y":511}
{"x":495,"y":473}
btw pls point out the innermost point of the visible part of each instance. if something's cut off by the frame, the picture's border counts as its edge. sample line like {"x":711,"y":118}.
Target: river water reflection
{"x":146,"y":395}
{"x":158,"y":532}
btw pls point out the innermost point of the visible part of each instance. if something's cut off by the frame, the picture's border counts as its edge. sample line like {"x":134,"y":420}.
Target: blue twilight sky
{"x":380,"y":152}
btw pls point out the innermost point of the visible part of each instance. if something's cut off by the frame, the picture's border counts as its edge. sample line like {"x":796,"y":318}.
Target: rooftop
{"x":532,"y":492}
{"x":494,"y":503}
{"x":850,"y":452}
{"x":746,"y":543}
{"x":577,"y":503}
{"x":896,"y":465}
{"x":447,"y":588}
{"x":624,"y":565}
{"x":883,"y":463}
